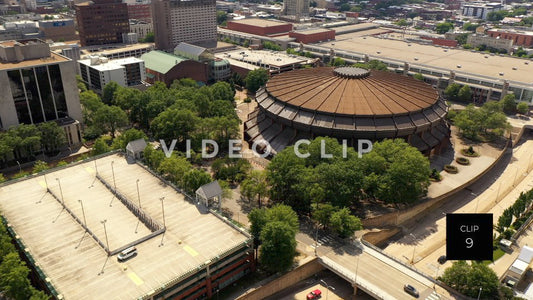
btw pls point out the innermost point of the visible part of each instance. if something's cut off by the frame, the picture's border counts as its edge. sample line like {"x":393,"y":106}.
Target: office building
{"x":141,"y":28}
{"x":38,"y":86}
{"x":477,"y":40}
{"x":102,"y":22}
{"x":98,"y":71}
{"x":58,"y":29}
{"x":18,"y":30}
{"x":480,"y":10}
{"x":140,"y":11}
{"x":298,"y":8}
{"x":178,"y":21}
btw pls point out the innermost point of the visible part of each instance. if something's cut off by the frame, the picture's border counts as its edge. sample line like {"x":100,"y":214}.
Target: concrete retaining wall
{"x":380,"y":236}
{"x":300,"y":273}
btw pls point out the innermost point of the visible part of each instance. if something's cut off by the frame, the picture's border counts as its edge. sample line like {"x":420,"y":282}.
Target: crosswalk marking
{"x":433,"y":296}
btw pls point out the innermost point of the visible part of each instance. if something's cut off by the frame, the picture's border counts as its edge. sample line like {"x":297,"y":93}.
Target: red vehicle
{"x":314,"y":295}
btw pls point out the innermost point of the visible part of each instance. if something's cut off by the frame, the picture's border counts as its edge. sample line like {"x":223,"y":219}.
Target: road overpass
{"x":379,"y":275}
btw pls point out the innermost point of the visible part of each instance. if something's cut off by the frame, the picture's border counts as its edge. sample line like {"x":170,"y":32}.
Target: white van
{"x":127,"y":253}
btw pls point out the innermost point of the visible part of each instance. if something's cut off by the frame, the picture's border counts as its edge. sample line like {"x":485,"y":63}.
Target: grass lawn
{"x":495,"y":256}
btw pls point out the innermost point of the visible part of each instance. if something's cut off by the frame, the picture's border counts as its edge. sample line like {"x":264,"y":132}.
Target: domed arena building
{"x":349,"y":104}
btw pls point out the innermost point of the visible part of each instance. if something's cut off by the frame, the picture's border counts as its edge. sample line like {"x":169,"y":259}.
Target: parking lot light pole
{"x":138,"y":195}
{"x":479,"y":295}
{"x":327,"y":288}
{"x":61,"y":191}
{"x":164,"y":224}
{"x":83,"y":212}
{"x":113,"y":172}
{"x":105,"y":232}
{"x":414,"y":248}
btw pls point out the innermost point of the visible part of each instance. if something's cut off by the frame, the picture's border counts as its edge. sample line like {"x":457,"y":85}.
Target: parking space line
{"x":42,"y":183}
{"x":135,"y":278}
{"x":190,"y":250}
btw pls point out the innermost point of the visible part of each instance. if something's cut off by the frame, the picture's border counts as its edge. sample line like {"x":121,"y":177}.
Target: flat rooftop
{"x":259,"y":22}
{"x":54,"y":238}
{"x":312,"y":31}
{"x":255,"y":57}
{"x":476,"y":63}
{"x":52,"y":59}
{"x":117,"y":49}
{"x":111,"y":64}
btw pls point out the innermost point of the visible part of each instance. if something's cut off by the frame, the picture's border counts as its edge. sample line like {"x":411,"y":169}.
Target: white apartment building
{"x":98,"y":71}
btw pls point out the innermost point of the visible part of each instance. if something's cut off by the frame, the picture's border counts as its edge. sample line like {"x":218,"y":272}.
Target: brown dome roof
{"x":352,"y":91}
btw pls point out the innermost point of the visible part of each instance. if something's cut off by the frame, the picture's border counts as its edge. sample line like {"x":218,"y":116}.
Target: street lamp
{"x":61,"y":191}
{"x":327,"y":288}
{"x":138,"y":195}
{"x":20,"y":169}
{"x":164,"y":224}
{"x":83,"y":212}
{"x":479,"y":295}
{"x":105,"y":232}
{"x":113,"y":172}
{"x":414,"y":248}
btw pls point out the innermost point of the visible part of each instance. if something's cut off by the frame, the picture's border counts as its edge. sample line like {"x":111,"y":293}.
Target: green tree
{"x":444,"y":27}
{"x":175,"y":124}
{"x":82,"y":87}
{"x":101,"y":146}
{"x":14,"y":277}
{"x":522,"y":108}
{"x":470,"y":26}
{"x":174,"y":169}
{"x":258,"y":219}
{"x":285,"y":214}
{"x":52,"y":136}
{"x":402,"y":23}
{"x":38,"y":295}
{"x":462,"y":39}
{"x":337,"y":62}
{"x":323,"y":214}
{"x":149,"y":38}
{"x":255,"y":79}
{"x":418,"y":76}
{"x":90,"y":104}
{"x":452,"y":91}
{"x":109,"y":91}
{"x":468,"y":279}
{"x":271,"y":46}
{"x":278,"y":247}
{"x":222,"y":91}
{"x":345,"y":7}
{"x":464,"y":94}
{"x":497,"y":15}
{"x":509,"y":104}
{"x":194,"y":179}
{"x":344,"y":223}
{"x":110,"y":118}
{"x":40,"y":166}
{"x":127,"y":136}
{"x":153,"y":158}
{"x":222,"y":17}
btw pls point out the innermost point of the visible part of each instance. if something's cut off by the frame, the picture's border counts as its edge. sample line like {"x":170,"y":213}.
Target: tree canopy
{"x":469,"y":278}
{"x":486,"y":122}
{"x":393,"y":172}
{"x":255,"y":79}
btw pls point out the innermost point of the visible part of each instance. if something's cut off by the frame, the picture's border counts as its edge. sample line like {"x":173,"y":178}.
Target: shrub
{"x":463,"y":161}
{"x":435,"y":175}
{"x":451,"y":169}
{"x":469,"y":152}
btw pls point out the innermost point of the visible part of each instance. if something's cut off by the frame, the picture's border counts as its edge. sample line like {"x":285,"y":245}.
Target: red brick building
{"x":313,"y":36}
{"x":519,"y":38}
{"x":140,"y":12}
{"x":441,"y":42}
{"x":165,"y":67}
{"x":102,"y":22}
{"x":260,"y":27}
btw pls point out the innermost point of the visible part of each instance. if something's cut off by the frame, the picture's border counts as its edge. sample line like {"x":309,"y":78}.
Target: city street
{"x":425,"y":240}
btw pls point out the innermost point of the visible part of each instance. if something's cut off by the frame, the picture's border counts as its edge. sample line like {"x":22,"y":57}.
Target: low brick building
{"x":313,"y":35}
{"x":519,"y":38}
{"x":260,"y":27}
{"x":165,"y":67}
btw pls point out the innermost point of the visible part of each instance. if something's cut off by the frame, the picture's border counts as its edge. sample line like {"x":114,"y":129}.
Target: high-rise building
{"x":298,"y":8}
{"x":102,"y":22}
{"x":177,"y":21}
{"x":38,"y":86}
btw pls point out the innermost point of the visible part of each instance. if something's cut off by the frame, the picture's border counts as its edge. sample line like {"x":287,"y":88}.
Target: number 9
{"x":469,"y":243}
